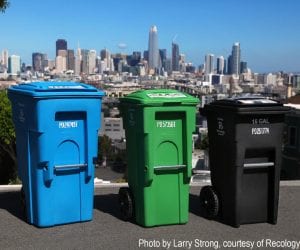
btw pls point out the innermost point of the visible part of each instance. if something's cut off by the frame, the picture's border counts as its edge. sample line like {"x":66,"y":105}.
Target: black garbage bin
{"x":245,"y":137}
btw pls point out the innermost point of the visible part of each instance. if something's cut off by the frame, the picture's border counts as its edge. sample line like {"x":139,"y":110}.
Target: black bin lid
{"x":247,"y":105}
{"x":246,"y":102}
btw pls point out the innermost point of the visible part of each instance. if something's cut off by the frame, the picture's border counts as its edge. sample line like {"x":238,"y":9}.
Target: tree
{"x":105,"y":149}
{"x":7,"y":131}
{"x":4,"y":4}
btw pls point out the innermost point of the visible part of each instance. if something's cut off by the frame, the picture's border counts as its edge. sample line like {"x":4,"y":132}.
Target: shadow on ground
{"x":11,"y":201}
{"x":108,"y":203}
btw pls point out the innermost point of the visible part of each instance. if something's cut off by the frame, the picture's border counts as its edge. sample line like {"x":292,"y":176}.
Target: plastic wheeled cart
{"x":245,"y":142}
{"x":56,"y":127}
{"x":158,"y":126}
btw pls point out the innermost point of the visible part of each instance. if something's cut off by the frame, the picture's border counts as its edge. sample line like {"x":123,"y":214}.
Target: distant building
{"x":221,"y":65}
{"x":78,"y":62}
{"x":146,"y":55}
{"x":70,"y":59}
{"x":295,"y":80}
{"x":175,"y":57}
{"x":14,"y":65}
{"x":135,"y":58}
{"x":113,"y":128}
{"x":209,"y":64}
{"x":4,"y":58}
{"x":85,"y":61}
{"x":243,"y":67}
{"x":163,"y":58}
{"x":37,"y":62}
{"x":61,"y":44}
{"x":229,"y":65}
{"x":154,"y":60}
{"x":92,"y":55}
{"x":236,"y":59}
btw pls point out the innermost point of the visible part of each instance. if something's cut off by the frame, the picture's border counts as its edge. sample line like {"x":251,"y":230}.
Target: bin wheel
{"x":126,"y":203}
{"x":23,"y":204}
{"x":209,"y":202}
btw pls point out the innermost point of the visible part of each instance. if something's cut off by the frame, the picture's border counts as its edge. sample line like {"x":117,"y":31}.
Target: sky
{"x":268,"y":30}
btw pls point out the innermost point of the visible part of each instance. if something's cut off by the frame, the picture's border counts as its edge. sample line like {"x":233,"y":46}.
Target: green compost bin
{"x":158,"y":126}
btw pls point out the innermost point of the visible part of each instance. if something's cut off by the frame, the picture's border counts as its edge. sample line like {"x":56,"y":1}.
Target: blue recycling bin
{"x":56,"y":127}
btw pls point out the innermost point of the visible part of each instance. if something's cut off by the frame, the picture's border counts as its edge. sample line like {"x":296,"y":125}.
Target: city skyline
{"x":266,"y":31}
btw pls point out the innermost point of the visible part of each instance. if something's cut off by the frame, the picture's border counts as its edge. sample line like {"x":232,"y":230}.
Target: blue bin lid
{"x":48,"y":89}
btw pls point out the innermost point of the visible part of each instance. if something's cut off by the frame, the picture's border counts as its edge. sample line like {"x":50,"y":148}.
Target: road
{"x":108,"y":231}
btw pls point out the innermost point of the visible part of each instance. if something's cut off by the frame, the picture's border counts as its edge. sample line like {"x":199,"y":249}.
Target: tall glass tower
{"x":154,"y":62}
{"x":220,"y":65}
{"x":61,"y":44}
{"x":209,"y":64}
{"x":175,"y":57}
{"x":236,"y":59}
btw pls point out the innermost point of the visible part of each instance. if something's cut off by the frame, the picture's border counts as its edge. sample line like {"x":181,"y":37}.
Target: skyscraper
{"x":209,"y":64}
{"x":14,"y":64}
{"x":175,"y":57}
{"x":220,"y":65}
{"x":61,"y":44}
{"x":78,"y":61}
{"x":229,"y":65}
{"x":92,"y":56}
{"x":163,"y":57}
{"x":61,"y":61}
{"x":71,"y":60}
{"x":154,"y":62}
{"x":243,"y":67}
{"x":85,"y":59}
{"x":4,"y":59}
{"x":37,"y":61}
{"x":236,"y":59}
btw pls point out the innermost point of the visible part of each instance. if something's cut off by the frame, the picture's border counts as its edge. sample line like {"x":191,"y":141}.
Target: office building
{"x":229,"y":65}
{"x":61,"y":64}
{"x":61,"y":44}
{"x":85,"y":61}
{"x":163,"y":57}
{"x":37,"y":61}
{"x":70,"y":60}
{"x":4,"y":58}
{"x":220,"y":65}
{"x":209,"y":64}
{"x":236,"y":59}
{"x":154,"y":60}
{"x":14,"y":64}
{"x":243,"y":67}
{"x":175,"y":57}
{"x":146,"y":55}
{"x":78,"y":61}
{"x":92,"y":56}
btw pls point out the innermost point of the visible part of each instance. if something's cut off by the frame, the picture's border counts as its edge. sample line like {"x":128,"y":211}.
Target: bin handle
{"x":169,"y":167}
{"x":48,"y":171}
{"x":70,"y":166}
{"x":259,"y":165}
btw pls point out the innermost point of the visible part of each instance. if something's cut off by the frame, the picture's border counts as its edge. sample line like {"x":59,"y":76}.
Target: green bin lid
{"x":159,"y":97}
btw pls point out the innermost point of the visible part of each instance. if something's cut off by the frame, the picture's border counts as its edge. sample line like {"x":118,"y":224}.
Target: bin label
{"x":260,"y":121}
{"x":21,"y":115}
{"x":166,"y":124}
{"x":166,"y":95}
{"x":131,"y":117}
{"x":68,"y":124}
{"x":260,"y":131}
{"x":220,"y":126}
{"x":65,"y":87}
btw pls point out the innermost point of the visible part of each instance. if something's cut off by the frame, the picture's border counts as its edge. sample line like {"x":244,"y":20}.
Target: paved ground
{"x":108,"y":174}
{"x":107,"y":231}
